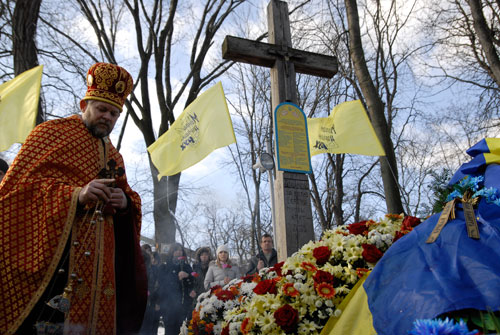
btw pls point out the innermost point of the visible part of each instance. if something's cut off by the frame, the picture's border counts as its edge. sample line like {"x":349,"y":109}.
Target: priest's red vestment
{"x":39,"y":214}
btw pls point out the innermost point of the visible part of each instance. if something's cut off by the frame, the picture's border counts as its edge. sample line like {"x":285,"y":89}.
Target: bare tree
{"x":221,"y":224}
{"x":253,"y":127}
{"x":18,"y":32}
{"x":376,"y":111}
{"x":465,"y":32}
{"x":154,"y":25}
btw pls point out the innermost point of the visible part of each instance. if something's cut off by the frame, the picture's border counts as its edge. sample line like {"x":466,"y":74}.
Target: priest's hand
{"x":96,"y":190}
{"x":118,"y":198}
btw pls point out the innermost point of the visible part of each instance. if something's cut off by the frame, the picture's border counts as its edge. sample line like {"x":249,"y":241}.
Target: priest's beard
{"x":98,"y":129}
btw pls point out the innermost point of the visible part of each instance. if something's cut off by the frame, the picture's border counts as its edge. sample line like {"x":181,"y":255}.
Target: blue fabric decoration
{"x":415,"y":280}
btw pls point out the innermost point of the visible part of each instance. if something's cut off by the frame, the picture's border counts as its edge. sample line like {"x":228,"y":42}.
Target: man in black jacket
{"x":267,"y":256}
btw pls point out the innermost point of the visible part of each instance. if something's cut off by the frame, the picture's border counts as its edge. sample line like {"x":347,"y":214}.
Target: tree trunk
{"x":388,"y":164}
{"x":338,"y":212}
{"x":485,"y":37}
{"x":24,"y":23}
{"x":165,"y":203}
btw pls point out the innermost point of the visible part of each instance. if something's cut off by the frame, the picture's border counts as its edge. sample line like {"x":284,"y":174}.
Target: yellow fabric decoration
{"x":356,"y":318}
{"x":203,"y":126}
{"x":19,"y":106}
{"x":346,"y":130}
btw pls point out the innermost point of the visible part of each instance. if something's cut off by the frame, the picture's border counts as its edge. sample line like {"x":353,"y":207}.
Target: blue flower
{"x":475,"y":184}
{"x":453,"y":195}
{"x":440,"y":327}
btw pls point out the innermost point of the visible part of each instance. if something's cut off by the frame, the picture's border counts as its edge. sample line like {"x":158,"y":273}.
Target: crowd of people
{"x":174,"y":284}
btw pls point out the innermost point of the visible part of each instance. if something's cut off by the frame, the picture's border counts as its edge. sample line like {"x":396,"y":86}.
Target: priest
{"x":70,"y":260}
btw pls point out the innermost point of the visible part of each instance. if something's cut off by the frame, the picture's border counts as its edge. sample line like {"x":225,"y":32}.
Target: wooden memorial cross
{"x":294,"y":226}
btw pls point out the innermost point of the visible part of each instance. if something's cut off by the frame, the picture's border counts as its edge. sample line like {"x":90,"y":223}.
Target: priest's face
{"x":99,"y":117}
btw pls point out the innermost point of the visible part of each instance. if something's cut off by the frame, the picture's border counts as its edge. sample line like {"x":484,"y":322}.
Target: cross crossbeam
{"x":265,"y":54}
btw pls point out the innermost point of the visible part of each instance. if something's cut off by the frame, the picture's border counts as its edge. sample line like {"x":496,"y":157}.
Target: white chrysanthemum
{"x":202,"y":296}
{"x":217,"y":328}
{"x":292,"y":262}
{"x":247,"y":288}
{"x":337,"y":313}
{"x":207,"y":310}
{"x":337,"y":270}
{"x":230,"y":304}
{"x":351,"y":255}
{"x":218,"y":303}
{"x":272,"y":302}
{"x":265,"y":321}
{"x":329,"y":303}
{"x":308,"y":248}
{"x":375,"y":238}
{"x":307,"y":327}
{"x":299,"y":276}
{"x":351,"y":277}
{"x":309,"y":299}
{"x":387,"y":238}
{"x":385,"y":227}
{"x":318,"y":303}
{"x":342,"y":290}
{"x":307,"y":288}
{"x":234,"y":328}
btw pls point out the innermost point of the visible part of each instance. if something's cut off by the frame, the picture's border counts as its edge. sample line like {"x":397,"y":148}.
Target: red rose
{"x":225,"y":330}
{"x":277,"y":268}
{"x":287,"y":318}
{"x":265,"y":286}
{"x":409,"y":222}
{"x":322,"y":255}
{"x":397,"y":236}
{"x":323,"y":277}
{"x":371,"y":253}
{"x":357,"y":228}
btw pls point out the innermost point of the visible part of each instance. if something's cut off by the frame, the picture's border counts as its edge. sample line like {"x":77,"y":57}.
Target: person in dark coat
{"x":266,"y":257}
{"x":200,"y":268}
{"x":152,"y":314}
{"x":176,"y":290}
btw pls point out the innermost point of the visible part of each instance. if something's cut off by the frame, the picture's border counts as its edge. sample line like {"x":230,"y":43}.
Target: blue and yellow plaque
{"x":292,"y":141}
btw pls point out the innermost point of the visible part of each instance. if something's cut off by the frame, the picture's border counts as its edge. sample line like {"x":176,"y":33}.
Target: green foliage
{"x":486,"y":321}
{"x":440,"y":189}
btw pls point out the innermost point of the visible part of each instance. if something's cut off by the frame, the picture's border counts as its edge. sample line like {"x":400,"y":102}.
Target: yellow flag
{"x":203,"y":126}
{"x":19,"y":106}
{"x":356,"y":318}
{"x":346,"y":130}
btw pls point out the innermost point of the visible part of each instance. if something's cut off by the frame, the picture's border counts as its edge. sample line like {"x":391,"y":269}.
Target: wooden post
{"x":294,"y":225}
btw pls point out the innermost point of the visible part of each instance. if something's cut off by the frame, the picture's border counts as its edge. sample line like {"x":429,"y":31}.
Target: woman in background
{"x":200,"y":268}
{"x":221,"y":271}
